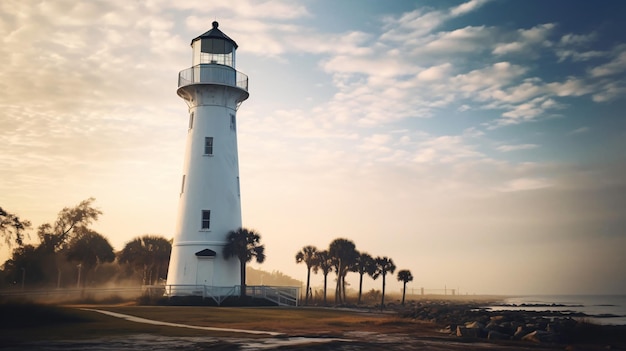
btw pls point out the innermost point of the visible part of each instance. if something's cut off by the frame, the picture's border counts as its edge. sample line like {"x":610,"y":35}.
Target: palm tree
{"x":364,"y":264}
{"x":404,"y":276}
{"x":384,"y":265}
{"x":245,"y":245}
{"x":325,"y":263}
{"x":344,"y":253}
{"x":150,"y":254}
{"x":89,"y":249}
{"x":308,"y":256}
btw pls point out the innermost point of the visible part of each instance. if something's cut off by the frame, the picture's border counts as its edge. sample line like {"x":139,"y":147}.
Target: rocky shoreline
{"x":471,"y":320}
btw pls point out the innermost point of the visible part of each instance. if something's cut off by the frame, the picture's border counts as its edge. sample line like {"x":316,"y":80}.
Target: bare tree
{"x":12,"y":228}
{"x":70,"y":222}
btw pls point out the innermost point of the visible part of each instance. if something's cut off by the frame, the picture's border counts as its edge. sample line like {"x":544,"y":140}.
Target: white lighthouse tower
{"x":210,"y":204}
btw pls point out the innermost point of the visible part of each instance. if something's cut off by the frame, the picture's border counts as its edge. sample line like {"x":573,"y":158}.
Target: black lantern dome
{"x":214,"y":47}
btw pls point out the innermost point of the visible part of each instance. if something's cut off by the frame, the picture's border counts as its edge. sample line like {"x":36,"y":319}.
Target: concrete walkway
{"x":177,"y":325}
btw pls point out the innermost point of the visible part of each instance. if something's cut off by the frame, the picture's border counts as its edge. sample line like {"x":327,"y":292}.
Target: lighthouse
{"x":210,"y":199}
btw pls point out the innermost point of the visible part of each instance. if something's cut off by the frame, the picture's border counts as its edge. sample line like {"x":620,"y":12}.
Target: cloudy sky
{"x":480,"y":144}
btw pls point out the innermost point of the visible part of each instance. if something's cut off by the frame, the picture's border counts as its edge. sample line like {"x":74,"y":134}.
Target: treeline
{"x":71,"y":254}
{"x":273,"y":278}
{"x":342,"y":257}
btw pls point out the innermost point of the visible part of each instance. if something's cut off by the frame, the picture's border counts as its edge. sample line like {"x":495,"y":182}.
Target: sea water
{"x":600,"y":309}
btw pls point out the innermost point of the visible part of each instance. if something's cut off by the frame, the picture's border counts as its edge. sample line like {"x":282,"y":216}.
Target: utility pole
{"x":23,"y":277}
{"x":80,"y":266}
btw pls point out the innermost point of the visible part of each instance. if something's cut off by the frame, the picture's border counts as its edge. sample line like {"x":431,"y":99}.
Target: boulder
{"x":520,"y":333}
{"x":467,"y":332}
{"x":498,"y":318}
{"x":449,"y":329}
{"x":474,"y":325}
{"x":496,"y":335}
{"x":539,"y":336}
{"x":493,"y":325}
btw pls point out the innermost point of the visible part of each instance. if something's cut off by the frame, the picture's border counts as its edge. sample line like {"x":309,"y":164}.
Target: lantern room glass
{"x":213,"y":51}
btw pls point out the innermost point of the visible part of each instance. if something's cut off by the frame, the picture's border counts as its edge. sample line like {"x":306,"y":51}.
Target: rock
{"x":497,"y":318}
{"x":449,"y":329}
{"x":474,"y":325}
{"x":552,"y":328}
{"x":520,"y":333}
{"x":496,"y":335}
{"x":539,"y":336}
{"x":493,"y":325}
{"x":467,"y":332}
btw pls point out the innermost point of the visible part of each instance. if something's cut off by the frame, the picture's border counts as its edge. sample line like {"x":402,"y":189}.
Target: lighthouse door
{"x":204,"y":273}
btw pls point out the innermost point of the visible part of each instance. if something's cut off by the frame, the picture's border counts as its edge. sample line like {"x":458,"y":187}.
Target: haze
{"x":479,"y":144}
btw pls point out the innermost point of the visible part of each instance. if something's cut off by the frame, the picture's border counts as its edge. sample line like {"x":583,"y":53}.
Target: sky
{"x":479,"y":144}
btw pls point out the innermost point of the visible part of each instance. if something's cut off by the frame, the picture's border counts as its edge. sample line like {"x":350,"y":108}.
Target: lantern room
{"x":214,"y":47}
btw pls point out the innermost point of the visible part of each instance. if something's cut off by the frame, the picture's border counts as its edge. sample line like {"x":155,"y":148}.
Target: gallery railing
{"x":212,"y":74}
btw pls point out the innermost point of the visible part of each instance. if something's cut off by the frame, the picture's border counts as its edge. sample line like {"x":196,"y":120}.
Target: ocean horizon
{"x":600,"y":309}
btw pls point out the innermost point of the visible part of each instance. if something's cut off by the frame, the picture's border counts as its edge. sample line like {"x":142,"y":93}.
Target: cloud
{"x":445,"y":149}
{"x":508,"y":148}
{"x":610,"y":91}
{"x":527,"y":111}
{"x":420,"y":22}
{"x":580,"y":130}
{"x":575,"y":47}
{"x":617,"y":65}
{"x":472,"y":40}
{"x":467,"y":7}
{"x":524,"y":184}
{"x":487,"y":79}
{"x":526,"y":41}
{"x":246,"y":9}
{"x":435,"y":72}
{"x":572,"y":86}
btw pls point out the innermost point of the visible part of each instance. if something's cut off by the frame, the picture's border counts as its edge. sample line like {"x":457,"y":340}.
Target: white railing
{"x":213,"y":74}
{"x":282,"y":296}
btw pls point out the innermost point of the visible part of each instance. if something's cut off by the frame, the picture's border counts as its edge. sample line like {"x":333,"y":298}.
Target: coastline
{"x":427,"y":324}
{"x":599,"y":309}
{"x":525,"y":324}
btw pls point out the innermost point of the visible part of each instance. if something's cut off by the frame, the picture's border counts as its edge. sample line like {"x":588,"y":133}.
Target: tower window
{"x":233,"y":123}
{"x":208,"y":145}
{"x":191,"y":120}
{"x":182,"y":186}
{"x":206,"y":219}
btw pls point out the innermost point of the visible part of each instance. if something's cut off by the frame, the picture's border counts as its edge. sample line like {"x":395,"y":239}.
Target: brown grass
{"x":29,"y":322}
{"x":291,"y":321}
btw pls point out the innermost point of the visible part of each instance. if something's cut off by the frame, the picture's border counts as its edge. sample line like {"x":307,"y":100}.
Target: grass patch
{"x":26,"y":322}
{"x":31,"y":322}
{"x":292,"y":321}
{"x":24,"y":314}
